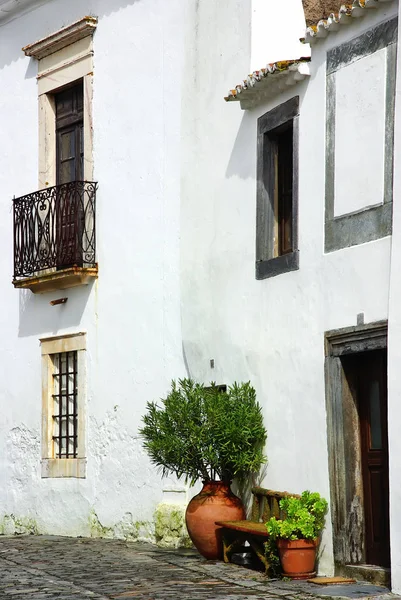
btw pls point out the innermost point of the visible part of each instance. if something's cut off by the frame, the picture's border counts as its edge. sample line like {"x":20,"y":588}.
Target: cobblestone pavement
{"x":44,"y":568}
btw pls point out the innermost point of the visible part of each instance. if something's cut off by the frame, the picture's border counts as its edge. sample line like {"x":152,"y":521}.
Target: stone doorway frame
{"x":344,"y":455}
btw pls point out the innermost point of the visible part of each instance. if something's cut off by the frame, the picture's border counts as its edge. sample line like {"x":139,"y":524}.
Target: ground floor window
{"x":64,"y":406}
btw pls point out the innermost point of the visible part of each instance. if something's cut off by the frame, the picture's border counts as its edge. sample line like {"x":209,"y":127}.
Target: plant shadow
{"x":242,"y":487}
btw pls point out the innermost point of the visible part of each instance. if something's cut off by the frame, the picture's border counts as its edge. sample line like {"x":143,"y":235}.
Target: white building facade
{"x":128,"y":313}
{"x":130,"y":96}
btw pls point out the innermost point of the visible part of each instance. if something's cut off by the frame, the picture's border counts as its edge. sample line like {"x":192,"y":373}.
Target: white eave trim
{"x":262,"y":85}
{"x":61,"y":38}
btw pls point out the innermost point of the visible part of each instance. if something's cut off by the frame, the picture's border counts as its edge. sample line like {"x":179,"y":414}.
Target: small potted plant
{"x":298,"y":534}
{"x":212,"y":435}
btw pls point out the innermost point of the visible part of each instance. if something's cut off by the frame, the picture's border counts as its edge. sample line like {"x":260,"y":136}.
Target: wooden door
{"x":372,"y":403}
{"x":70,"y":156}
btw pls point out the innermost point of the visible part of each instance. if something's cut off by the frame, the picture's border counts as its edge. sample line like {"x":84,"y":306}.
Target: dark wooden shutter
{"x":284,"y":184}
{"x":69,"y":133}
{"x":69,"y":169}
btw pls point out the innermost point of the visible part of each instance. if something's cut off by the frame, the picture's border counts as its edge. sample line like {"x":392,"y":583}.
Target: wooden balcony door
{"x":69,"y":168}
{"x":372,"y":404}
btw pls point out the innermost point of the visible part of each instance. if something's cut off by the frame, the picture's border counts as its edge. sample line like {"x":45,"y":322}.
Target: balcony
{"x":54,"y":237}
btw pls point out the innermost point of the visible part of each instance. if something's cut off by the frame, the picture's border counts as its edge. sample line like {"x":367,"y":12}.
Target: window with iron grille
{"x":64,"y":392}
{"x":277,"y":191}
{"x":65,"y":404}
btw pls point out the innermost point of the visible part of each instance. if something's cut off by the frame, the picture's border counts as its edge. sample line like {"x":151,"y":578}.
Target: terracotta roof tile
{"x":344,"y":16}
{"x":277,"y":74}
{"x":288,"y":72}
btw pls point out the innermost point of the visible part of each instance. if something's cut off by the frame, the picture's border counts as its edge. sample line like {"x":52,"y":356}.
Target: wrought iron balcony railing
{"x":54,"y":228}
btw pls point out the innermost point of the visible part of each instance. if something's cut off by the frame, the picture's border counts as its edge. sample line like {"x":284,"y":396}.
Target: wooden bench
{"x":234,"y":534}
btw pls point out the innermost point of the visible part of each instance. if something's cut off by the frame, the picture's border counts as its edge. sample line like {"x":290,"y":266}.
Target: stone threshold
{"x":370,"y":573}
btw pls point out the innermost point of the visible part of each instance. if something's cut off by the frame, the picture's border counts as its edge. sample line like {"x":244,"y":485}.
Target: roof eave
{"x":344,"y":16}
{"x":269,"y":82}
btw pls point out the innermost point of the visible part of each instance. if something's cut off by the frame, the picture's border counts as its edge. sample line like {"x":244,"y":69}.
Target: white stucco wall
{"x":132,"y":313}
{"x":272,"y":331}
{"x":394,"y":354}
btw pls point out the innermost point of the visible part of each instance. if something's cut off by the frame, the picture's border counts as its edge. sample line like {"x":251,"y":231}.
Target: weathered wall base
{"x":14,"y":525}
{"x":167,"y":531}
{"x":127,"y":529}
{"x":170,"y":528}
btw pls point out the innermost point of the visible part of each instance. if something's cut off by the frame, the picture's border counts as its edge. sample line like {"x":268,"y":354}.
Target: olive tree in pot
{"x":205,"y":433}
{"x":297,"y":535}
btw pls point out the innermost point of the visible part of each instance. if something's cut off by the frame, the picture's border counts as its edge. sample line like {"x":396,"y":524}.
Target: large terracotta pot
{"x":297,"y":558}
{"x":215,"y":502}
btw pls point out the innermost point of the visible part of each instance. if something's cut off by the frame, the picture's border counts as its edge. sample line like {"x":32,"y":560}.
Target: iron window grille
{"x":54,"y":228}
{"x":65,"y":404}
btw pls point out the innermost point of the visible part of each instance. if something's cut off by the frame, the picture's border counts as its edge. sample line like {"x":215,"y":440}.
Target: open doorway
{"x":356,"y":400}
{"x":366,"y":373}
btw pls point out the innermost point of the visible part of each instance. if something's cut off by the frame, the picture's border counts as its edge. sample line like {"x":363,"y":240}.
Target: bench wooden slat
{"x":255,"y":508}
{"x":245,"y":526}
{"x":234,"y":533}
{"x":259,"y":491}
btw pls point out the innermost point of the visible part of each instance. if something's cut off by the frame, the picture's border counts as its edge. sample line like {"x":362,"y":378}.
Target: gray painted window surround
{"x":375,"y":222}
{"x":268,"y":265}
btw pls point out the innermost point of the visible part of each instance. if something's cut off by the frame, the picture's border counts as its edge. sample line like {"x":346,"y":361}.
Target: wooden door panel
{"x":372,"y":401}
{"x":377,"y":496}
{"x":69,"y":227}
{"x":67,"y":155}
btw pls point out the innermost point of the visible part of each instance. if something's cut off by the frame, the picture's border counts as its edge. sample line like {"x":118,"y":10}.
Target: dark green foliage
{"x":304,"y":518}
{"x":205,"y":433}
{"x":272,"y":555}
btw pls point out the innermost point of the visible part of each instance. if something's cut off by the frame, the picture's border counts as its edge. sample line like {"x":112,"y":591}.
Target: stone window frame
{"x":63,"y":467}
{"x":374,"y":222}
{"x":64,"y":57}
{"x":267,"y":264}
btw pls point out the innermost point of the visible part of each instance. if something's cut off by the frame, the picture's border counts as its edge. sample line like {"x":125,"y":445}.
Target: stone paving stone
{"x":47,"y":568}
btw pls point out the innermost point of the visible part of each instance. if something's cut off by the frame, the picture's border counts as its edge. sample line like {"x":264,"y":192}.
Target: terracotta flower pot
{"x":215,"y":502}
{"x":297,"y":558}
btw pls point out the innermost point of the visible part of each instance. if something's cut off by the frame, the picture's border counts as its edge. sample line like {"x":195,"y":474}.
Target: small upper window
{"x":283,"y":212}
{"x":276,"y":243}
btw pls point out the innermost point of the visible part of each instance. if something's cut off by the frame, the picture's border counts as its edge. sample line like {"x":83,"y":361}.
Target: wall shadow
{"x":20,"y":29}
{"x":37,"y":316}
{"x":242,"y":162}
{"x":243,"y":487}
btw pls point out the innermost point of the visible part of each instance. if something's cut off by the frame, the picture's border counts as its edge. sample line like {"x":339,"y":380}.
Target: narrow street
{"x":42,"y":567}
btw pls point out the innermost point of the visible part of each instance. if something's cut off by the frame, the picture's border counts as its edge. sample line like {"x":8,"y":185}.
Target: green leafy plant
{"x":200,"y":432}
{"x":304,"y":518}
{"x":273,"y":559}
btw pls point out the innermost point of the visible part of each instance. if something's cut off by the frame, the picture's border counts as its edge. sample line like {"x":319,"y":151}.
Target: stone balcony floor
{"x":44,"y":567}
